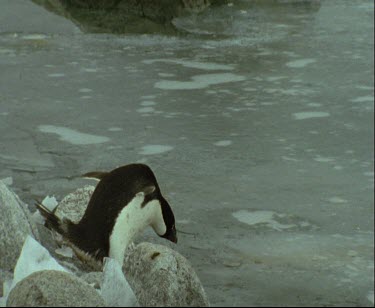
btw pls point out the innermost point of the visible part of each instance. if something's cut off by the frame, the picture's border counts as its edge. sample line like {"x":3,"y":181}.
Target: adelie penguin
{"x":125,"y":201}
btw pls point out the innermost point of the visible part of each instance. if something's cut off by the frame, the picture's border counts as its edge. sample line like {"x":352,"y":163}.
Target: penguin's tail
{"x":96,"y":175}
{"x":52,"y":221}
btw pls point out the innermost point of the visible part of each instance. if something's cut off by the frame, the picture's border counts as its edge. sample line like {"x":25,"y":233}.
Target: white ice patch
{"x":34,"y":37}
{"x":85,"y":90}
{"x":153,"y":149}
{"x":115,"y":289}
{"x":261,"y":217}
{"x":56,"y":75}
{"x":7,"y":181}
{"x":115,"y":129}
{"x":223,"y":143}
{"x":314,"y":105}
{"x":337,"y":200}
{"x":90,"y":70}
{"x":310,"y":114}
{"x":33,"y":258}
{"x":208,"y":66}
{"x":65,"y":251}
{"x":370,"y":297}
{"x":300,"y":63}
{"x":50,"y":203}
{"x":72,"y":136}
{"x":362,"y":99}
{"x":322,"y":159}
{"x":146,"y":109}
{"x":198,"y":81}
{"x":147,"y":103}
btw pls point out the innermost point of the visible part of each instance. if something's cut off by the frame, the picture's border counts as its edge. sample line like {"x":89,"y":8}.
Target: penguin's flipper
{"x":97,"y":175}
{"x":52,"y":221}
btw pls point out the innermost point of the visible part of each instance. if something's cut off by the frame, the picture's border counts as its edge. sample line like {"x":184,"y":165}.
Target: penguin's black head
{"x":169,"y":221}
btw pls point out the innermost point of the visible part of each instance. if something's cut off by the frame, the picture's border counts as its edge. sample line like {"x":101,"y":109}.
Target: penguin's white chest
{"x":131,"y":221}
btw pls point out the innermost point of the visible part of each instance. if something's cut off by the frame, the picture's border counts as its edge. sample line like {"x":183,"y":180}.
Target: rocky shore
{"x":36,"y":269}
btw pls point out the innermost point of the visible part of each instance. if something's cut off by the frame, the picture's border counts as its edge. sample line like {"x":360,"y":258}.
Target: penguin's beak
{"x":172,"y":236}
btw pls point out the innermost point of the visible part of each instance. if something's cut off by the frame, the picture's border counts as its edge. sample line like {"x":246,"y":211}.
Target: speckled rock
{"x":15,"y":225}
{"x":54,"y":289}
{"x":160,"y":276}
{"x":74,"y":205}
{"x":124,"y":16}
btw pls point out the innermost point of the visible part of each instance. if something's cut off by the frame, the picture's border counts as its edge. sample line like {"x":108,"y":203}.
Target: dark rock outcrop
{"x":124,"y":16}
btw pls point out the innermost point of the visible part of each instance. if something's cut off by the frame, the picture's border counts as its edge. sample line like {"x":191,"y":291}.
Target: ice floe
{"x":193,"y":64}
{"x":310,"y":114}
{"x":300,"y":63}
{"x":199,"y":81}
{"x":267,"y":218}
{"x":223,"y":143}
{"x":115,"y":289}
{"x":72,"y":136}
{"x":153,"y":149}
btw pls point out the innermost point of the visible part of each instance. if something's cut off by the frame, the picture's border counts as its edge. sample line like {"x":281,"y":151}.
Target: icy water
{"x":258,"y":125}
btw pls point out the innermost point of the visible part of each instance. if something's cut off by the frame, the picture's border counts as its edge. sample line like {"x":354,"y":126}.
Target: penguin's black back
{"x":114,"y":191}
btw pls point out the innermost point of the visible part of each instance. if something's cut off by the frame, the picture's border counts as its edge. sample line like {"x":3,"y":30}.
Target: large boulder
{"x":124,"y":16}
{"x":160,"y":276}
{"x":74,"y":205}
{"x":15,"y":225}
{"x":53,"y":289}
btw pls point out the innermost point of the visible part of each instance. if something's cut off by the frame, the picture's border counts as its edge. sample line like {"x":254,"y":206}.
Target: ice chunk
{"x":50,"y":203}
{"x":65,"y":251}
{"x":34,"y":257}
{"x":7,"y":181}
{"x":115,"y":289}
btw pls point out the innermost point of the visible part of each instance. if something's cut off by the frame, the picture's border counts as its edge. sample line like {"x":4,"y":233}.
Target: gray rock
{"x":93,"y":279}
{"x":54,"y":289}
{"x":124,"y":16}
{"x":74,"y":205}
{"x":15,"y":225}
{"x":160,"y":276}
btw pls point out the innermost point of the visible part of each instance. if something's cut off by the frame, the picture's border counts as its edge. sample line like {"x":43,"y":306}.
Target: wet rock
{"x":161,"y":276}
{"x":15,"y":225}
{"x":124,"y":16}
{"x":54,"y":289}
